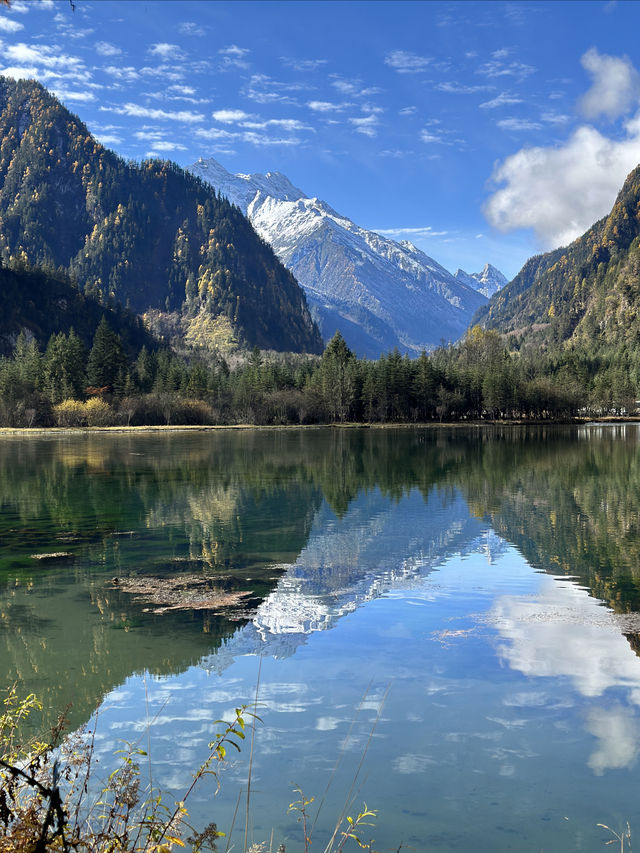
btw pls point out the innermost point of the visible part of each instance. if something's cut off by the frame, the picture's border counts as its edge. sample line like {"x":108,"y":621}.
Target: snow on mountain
{"x":487,"y":282}
{"x":378,"y":293}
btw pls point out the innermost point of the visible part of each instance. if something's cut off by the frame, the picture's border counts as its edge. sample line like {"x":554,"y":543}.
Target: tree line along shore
{"x":482,"y":378}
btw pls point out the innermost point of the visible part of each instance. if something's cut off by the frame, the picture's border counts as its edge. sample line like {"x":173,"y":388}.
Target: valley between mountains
{"x":145,"y":293}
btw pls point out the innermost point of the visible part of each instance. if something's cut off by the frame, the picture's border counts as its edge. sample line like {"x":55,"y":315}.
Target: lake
{"x":442,"y":623}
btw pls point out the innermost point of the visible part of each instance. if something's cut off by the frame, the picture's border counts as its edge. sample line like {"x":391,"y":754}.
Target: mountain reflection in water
{"x":500,"y":565}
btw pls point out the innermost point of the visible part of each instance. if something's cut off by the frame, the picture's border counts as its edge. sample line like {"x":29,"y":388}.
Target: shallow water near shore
{"x":461,"y":607}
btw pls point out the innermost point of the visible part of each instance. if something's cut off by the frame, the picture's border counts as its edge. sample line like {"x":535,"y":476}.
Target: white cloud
{"x":303,"y":64}
{"x":230,"y":116}
{"x":73,"y":97}
{"x":460,"y":89}
{"x":555,"y":118}
{"x":346,"y":87}
{"x":426,"y":135}
{"x":405,"y":62}
{"x":615,"y":89}
{"x":45,"y":56}
{"x":420,"y":231}
{"x":163,"y":145}
{"x":326,"y":106}
{"x":561,"y":191}
{"x":288,"y":124}
{"x":127,"y":73}
{"x":265,"y":90}
{"x":189,"y":28}
{"x":407,"y":111}
{"x":148,"y":112}
{"x":105,"y":48}
{"x":17,"y":72}
{"x":214,"y":133}
{"x":502,"y":100}
{"x":187,"y":91}
{"x":234,"y":50}
{"x":519,"y":124}
{"x":109,"y":139}
{"x":262,"y":139}
{"x":7,"y":25}
{"x":496,"y":68}
{"x":166,"y":51}
{"x":233,"y":57}
{"x":367,"y":125}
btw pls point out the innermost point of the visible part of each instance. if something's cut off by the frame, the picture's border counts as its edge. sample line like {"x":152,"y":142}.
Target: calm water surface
{"x":476,"y":593}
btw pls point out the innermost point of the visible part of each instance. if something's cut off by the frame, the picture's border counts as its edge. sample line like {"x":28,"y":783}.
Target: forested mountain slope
{"x":149,"y":236}
{"x":42,"y":304}
{"x":587,"y":293}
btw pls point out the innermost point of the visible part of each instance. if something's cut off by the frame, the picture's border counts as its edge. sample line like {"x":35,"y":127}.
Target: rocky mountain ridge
{"x":377,"y":292}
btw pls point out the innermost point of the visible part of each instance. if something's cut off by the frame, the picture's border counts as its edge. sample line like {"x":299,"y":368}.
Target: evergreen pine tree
{"x":106,"y":358}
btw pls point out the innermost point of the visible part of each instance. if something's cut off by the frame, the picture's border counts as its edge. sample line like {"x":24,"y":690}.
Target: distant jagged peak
{"x":488,"y":281}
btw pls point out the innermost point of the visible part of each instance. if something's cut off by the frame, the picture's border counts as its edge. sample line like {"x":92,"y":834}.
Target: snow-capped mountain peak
{"x":487,"y":282}
{"x":378,"y":293}
{"x":242,"y":189}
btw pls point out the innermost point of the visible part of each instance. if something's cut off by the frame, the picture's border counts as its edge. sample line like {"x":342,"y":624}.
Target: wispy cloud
{"x":461,"y":88}
{"x":555,"y":118}
{"x":177,"y":92}
{"x":127,"y":73}
{"x":73,"y":97}
{"x":189,"y":28}
{"x":265,"y":90}
{"x":290,"y":125}
{"x":429,"y":135}
{"x":414,"y":231}
{"x":504,"y":99}
{"x":519,"y":124}
{"x":164,"y":145}
{"x":327,"y":106}
{"x":303,"y":65}
{"x":233,"y":56}
{"x":46,"y":56}
{"x":105,"y":48}
{"x":107,"y":139}
{"x":353,"y":87}
{"x":148,"y":112}
{"x":166,"y":51}
{"x":367,"y":125}
{"x":215,"y":133}
{"x":405,"y":62}
{"x":230,"y":116}
{"x":496,"y":68}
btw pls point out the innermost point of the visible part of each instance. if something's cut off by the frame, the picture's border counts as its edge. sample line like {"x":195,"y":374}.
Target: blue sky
{"x":481,"y":131}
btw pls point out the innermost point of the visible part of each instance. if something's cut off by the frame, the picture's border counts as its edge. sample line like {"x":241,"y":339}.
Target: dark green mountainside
{"x":148,"y":236}
{"x":42,"y":304}
{"x":587,"y":293}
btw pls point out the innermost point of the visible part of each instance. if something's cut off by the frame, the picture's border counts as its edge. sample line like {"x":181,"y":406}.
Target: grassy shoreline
{"x":39,"y":431}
